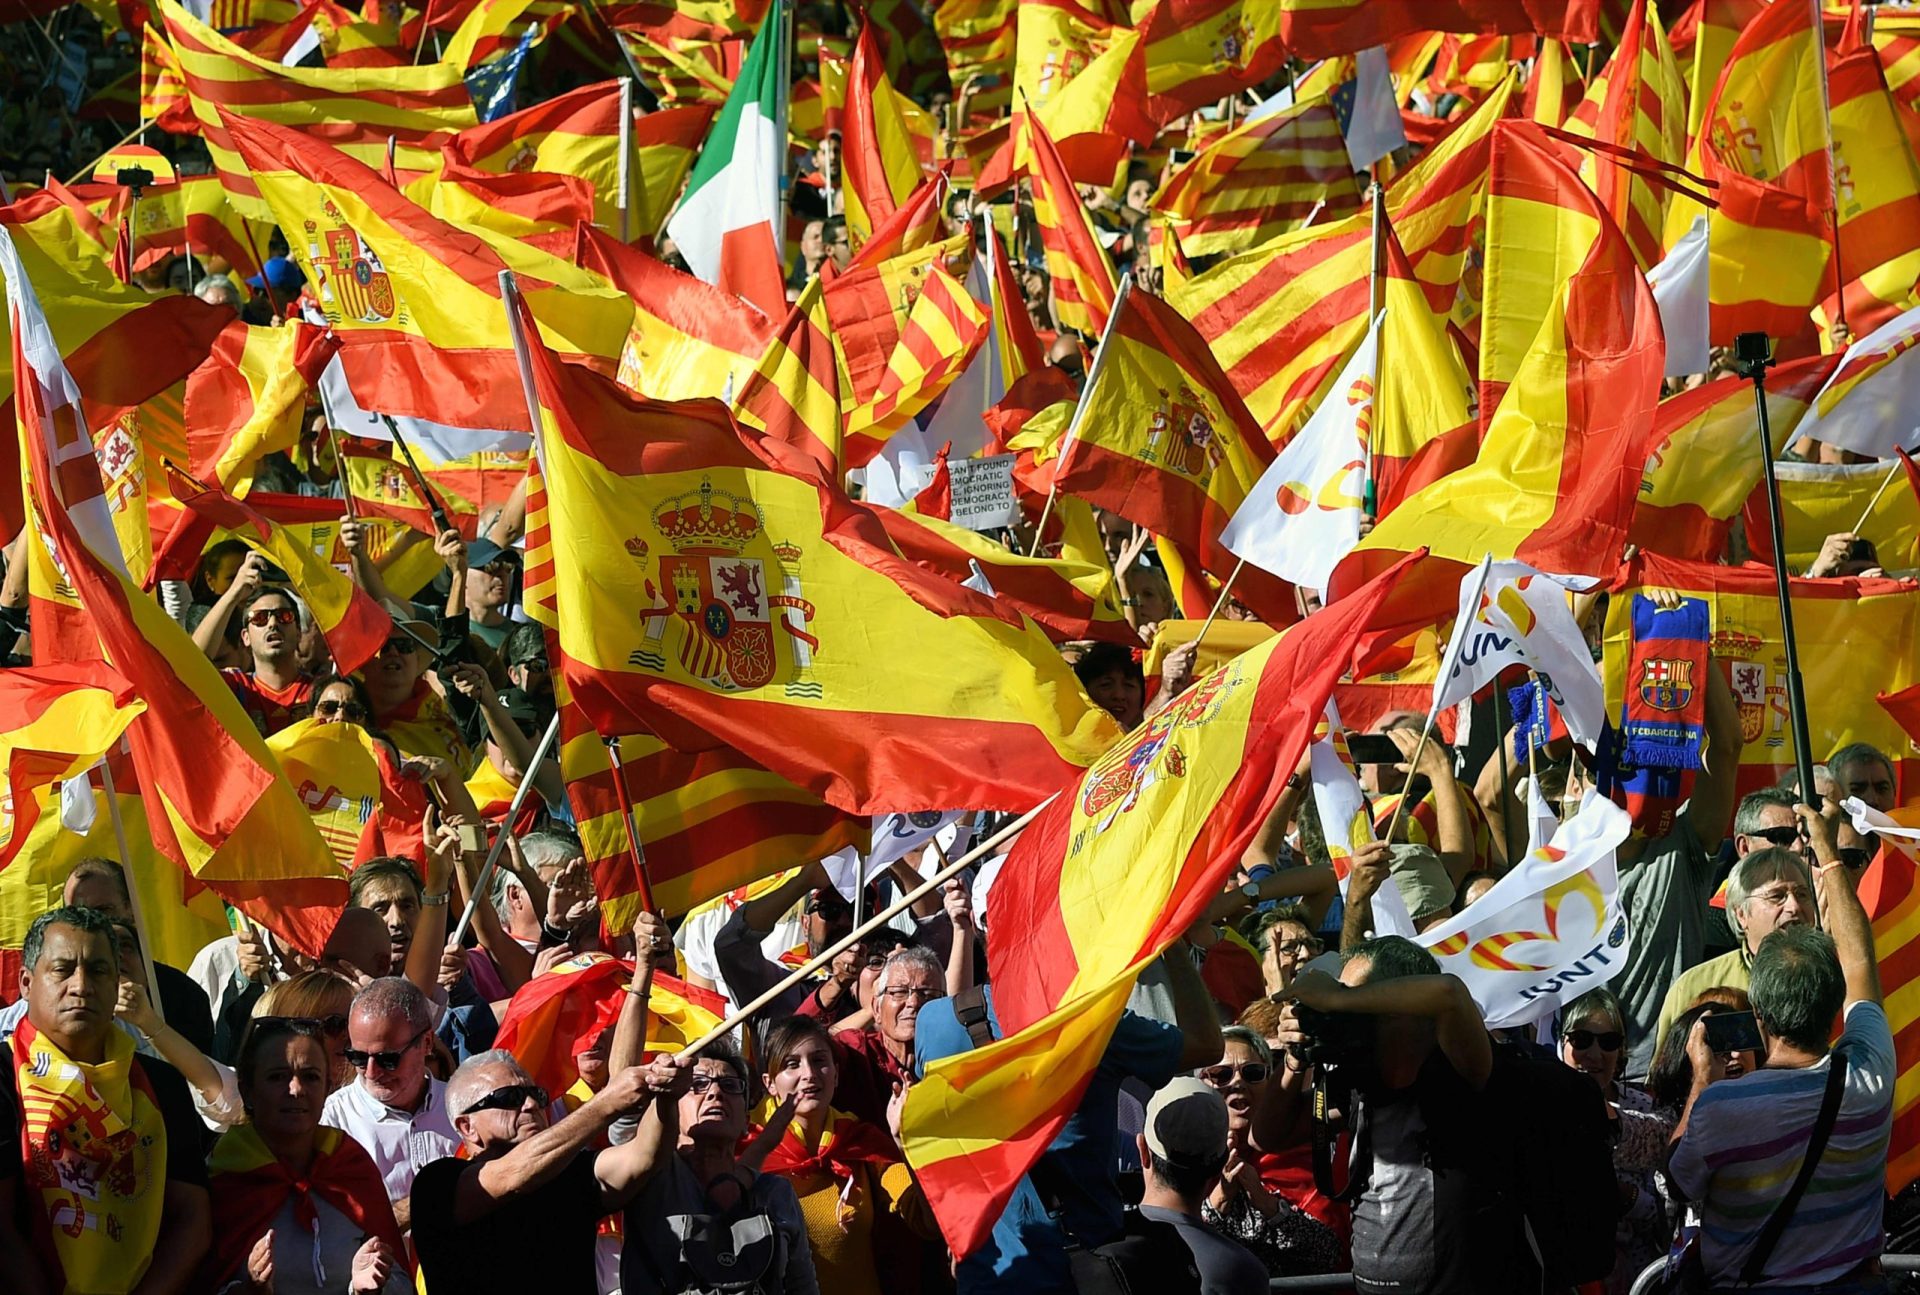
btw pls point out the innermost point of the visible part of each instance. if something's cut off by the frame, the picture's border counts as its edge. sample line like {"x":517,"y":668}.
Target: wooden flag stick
{"x":1874,"y":502}
{"x":1226,"y":591}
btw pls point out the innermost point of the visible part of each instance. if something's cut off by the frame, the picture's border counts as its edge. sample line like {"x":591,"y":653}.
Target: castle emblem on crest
{"x":352,"y":284}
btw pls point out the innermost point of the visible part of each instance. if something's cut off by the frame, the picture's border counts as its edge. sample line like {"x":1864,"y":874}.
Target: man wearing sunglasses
{"x":275,"y":690}
{"x":393,"y":1107}
{"x":518,"y":1210}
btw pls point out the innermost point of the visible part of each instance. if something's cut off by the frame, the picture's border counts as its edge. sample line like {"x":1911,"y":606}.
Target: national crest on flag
{"x":1117,"y":780}
{"x":353,"y":283}
{"x":1667,"y":685}
{"x":1181,"y":435}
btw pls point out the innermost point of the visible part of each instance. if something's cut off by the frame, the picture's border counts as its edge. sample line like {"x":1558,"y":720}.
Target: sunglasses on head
{"x":331,"y":1026}
{"x":1250,"y":1072}
{"x":511,"y":1097}
{"x":260,"y":616}
{"x":1609,"y":1040}
{"x":331,"y":707}
{"x":388,"y":1061}
{"x":1787,"y":835}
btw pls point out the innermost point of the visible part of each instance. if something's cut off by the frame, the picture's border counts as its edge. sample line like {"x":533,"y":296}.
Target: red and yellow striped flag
{"x":576,"y":134}
{"x":1559,"y":470}
{"x":1635,"y":103}
{"x":794,"y":392}
{"x":216,"y":804}
{"x":60,"y":720}
{"x":192,"y":213}
{"x":881,"y":166}
{"x":668,"y":141}
{"x":1105,"y":878}
{"x":1876,"y":178}
{"x":1166,"y":443}
{"x":1081,"y":74}
{"x":163,"y":93}
{"x":1890,"y":892}
{"x":763,"y":610}
{"x":1082,"y":275}
{"x":1263,"y":179}
{"x":943,"y":330}
{"x":1014,"y":338}
{"x":979,"y":38}
{"x":1325,"y":28}
{"x":1200,"y":51}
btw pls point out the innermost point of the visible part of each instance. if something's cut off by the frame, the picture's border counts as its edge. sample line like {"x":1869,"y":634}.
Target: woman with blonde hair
{"x":320,"y":997}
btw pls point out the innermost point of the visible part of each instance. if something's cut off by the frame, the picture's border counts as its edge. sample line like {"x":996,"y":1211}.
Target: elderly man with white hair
{"x":518,"y":1207}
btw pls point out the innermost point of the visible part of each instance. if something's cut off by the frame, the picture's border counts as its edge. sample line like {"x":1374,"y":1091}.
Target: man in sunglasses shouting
{"x":274,"y":690}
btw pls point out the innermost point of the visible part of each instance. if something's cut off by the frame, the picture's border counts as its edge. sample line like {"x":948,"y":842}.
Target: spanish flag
{"x":576,"y":134}
{"x":217,"y":806}
{"x":1166,"y":443}
{"x":668,"y":142}
{"x":1325,"y":28}
{"x":60,"y":720}
{"x":1085,"y":79}
{"x":248,"y":398}
{"x":1890,"y":892}
{"x":881,"y":166}
{"x":1559,"y":470}
{"x":1262,"y":179}
{"x":192,"y":213}
{"x":717,"y":589}
{"x":1876,"y":180}
{"x":1083,"y":286}
{"x":359,"y":805}
{"x":1015,"y":342}
{"x":1111,"y":872}
{"x":1198,"y":52}
{"x":417,"y":300}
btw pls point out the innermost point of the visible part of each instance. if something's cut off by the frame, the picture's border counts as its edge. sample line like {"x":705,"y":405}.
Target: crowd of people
{"x":1290,"y":1092}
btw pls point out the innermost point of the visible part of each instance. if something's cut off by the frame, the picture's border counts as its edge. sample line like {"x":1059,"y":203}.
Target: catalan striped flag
{"x":1083,"y":284}
{"x":415,"y":299}
{"x":1109,"y":874}
{"x":1705,"y":460}
{"x":1890,"y":892}
{"x":163,"y":94}
{"x":688,"y":526}
{"x":1282,"y":319}
{"x":1198,"y":52}
{"x":708,"y":821}
{"x":360,"y":108}
{"x":1559,"y":469}
{"x":689,"y":70}
{"x":1325,"y":28}
{"x":689,"y":338}
{"x":217,"y":807}
{"x":794,"y":392}
{"x":1166,"y":443}
{"x":867,"y":306}
{"x":60,"y":720}
{"x":943,"y":330}
{"x":1264,"y":178}
{"x":881,"y":167}
{"x":575,"y":134}
{"x":248,"y":398}
{"x":1635,"y":103}
{"x":979,"y":38}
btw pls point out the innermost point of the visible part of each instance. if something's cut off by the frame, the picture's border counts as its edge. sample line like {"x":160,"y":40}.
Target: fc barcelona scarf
{"x":1665,"y":719}
{"x":1536,"y":720}
{"x":1651,"y":796}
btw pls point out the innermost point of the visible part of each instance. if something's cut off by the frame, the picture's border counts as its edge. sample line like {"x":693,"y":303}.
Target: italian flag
{"x":726,"y":224}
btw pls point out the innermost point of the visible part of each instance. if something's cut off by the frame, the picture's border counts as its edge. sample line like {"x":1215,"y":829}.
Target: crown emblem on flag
{"x":707,"y":520}
{"x":1231,"y":49}
{"x":351,"y":282}
{"x":636,"y":548}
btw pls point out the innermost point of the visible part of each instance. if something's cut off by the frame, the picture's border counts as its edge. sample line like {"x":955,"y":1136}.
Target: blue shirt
{"x":1027,"y":1250}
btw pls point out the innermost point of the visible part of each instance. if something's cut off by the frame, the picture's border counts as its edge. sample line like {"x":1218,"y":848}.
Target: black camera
{"x":1752,"y":353}
{"x":1333,"y":1038}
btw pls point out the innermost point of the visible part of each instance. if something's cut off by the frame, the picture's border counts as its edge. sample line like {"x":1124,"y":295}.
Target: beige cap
{"x":1187,"y":1124}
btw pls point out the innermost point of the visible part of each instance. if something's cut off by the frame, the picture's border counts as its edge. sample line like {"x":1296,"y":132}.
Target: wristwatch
{"x":433,"y":901}
{"x":1295,"y":782}
{"x":1251,"y":890}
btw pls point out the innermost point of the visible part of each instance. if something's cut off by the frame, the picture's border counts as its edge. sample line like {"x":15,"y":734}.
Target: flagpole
{"x":133,"y":890}
{"x":1080,"y":406}
{"x":626,"y":157}
{"x":506,"y":825}
{"x":861,"y":930}
{"x":1752,"y":354}
{"x":627,"y":819}
{"x":1874,"y":502}
{"x":1376,"y":302}
{"x":1447,"y":660}
{"x":1226,"y":590}
{"x":440,"y":518}
{"x":783,"y":14}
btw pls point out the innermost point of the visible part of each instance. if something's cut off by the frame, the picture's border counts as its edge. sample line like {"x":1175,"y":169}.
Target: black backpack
{"x":1560,"y":1174}
{"x":1148,"y":1258}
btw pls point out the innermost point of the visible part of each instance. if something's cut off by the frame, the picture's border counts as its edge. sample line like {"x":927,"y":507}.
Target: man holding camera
{"x":1430,"y":1212}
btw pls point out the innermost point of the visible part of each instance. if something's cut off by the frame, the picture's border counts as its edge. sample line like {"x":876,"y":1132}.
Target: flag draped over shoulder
{"x":60,"y":719}
{"x":759,"y":608}
{"x":217,"y":805}
{"x":1109,"y":874}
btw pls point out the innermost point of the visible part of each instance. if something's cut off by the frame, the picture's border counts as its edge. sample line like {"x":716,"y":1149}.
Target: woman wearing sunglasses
{"x":1245,"y":1205}
{"x":1593,"y":1039}
{"x":864,"y":1214}
{"x":298,"y":1209}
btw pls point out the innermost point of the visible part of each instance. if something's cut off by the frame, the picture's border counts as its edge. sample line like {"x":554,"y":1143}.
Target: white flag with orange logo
{"x":1346,"y":824}
{"x":1304,"y":514}
{"x":1514,"y":615}
{"x":1548,"y":931}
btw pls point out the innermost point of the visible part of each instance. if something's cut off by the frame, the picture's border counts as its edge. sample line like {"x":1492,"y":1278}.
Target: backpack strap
{"x":970,"y":1009}
{"x":1776,"y":1225}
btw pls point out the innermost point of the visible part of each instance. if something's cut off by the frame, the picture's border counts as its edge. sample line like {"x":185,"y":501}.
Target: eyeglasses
{"x":400,"y":646}
{"x":1786,"y":835}
{"x":1855,"y":856}
{"x":270,"y":616}
{"x":387,"y":1061}
{"x":500,"y":567}
{"x":731,"y":1085}
{"x":331,"y":707}
{"x":1294,"y":946}
{"x":1251,"y":1072}
{"x":1581,"y":1040}
{"x":1779,"y":898}
{"x":830,"y":907}
{"x":901,"y":993}
{"x":511,"y":1097}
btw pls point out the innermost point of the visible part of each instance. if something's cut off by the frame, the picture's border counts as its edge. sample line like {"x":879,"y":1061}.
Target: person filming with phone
{"x":1811,"y":1124}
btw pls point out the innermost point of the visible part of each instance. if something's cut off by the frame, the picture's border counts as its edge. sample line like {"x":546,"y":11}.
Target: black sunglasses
{"x":1221,"y":1076}
{"x":1855,"y":856}
{"x":1609,"y":1040}
{"x":512,"y":1097}
{"x":388,"y":1061}
{"x":351,"y":709}
{"x":1777,"y":835}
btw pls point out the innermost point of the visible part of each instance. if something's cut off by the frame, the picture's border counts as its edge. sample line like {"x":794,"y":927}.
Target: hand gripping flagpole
{"x":632,"y":824}
{"x":1752,"y":354}
{"x":1080,"y":407}
{"x":826,"y":956}
{"x":506,"y":825}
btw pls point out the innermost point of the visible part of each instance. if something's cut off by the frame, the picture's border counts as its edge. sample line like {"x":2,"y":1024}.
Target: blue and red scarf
{"x":1664,"y":720}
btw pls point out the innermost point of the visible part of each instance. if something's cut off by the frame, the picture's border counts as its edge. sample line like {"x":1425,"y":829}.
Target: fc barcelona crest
{"x":352,"y":284}
{"x":1667,"y":684}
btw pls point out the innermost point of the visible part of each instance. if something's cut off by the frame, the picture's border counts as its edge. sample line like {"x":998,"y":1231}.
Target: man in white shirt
{"x":393,"y":1108}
